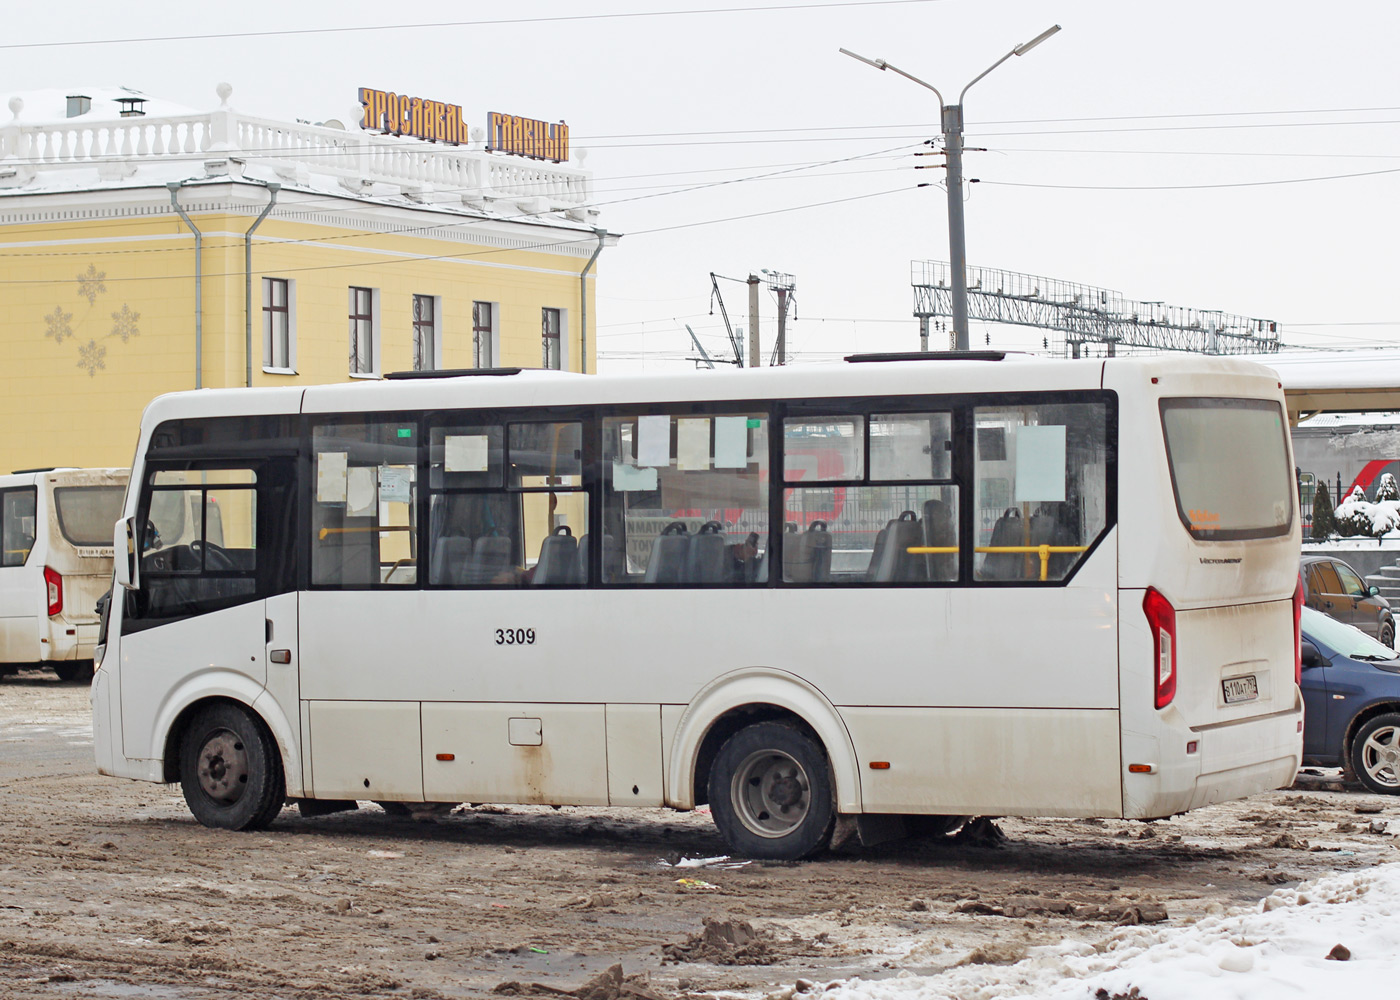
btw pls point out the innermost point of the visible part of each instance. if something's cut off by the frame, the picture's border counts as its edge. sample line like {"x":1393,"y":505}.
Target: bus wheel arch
{"x":228,"y":764}
{"x":748,"y":698}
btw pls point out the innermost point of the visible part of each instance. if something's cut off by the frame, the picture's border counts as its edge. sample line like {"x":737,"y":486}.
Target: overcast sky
{"x":1190,"y":153}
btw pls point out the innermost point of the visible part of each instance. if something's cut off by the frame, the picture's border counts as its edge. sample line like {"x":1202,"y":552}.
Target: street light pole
{"x":952,"y":125}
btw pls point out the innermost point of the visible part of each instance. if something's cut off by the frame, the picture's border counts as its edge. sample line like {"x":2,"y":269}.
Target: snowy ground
{"x":1333,"y":937}
{"x":109,"y":890}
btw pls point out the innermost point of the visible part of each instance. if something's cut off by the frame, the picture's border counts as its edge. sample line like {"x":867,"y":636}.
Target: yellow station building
{"x":147,"y":248}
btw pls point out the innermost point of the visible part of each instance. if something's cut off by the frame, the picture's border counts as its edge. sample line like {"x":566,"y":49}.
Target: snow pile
{"x":1278,"y":950}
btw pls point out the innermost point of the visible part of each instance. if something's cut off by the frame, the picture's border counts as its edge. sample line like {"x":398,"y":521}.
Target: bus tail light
{"x":54,"y":582}
{"x":1161,"y":618}
{"x":1298,"y":632}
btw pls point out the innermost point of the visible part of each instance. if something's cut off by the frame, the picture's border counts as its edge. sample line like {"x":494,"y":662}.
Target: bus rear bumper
{"x":63,"y":641}
{"x":1232,"y":761}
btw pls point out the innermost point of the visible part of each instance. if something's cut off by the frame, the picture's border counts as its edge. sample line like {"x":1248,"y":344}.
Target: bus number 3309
{"x":515,"y":637}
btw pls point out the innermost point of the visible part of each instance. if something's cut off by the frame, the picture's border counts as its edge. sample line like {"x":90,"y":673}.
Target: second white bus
{"x":944,"y":587}
{"x":55,"y":563}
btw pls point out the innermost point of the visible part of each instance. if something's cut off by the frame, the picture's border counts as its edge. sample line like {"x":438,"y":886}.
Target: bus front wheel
{"x":230,"y":770}
{"x":770,"y":793}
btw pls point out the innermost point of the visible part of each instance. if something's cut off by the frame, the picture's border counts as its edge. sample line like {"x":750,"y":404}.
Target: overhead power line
{"x":1192,"y":187}
{"x":584,"y":138}
{"x":491,"y":22}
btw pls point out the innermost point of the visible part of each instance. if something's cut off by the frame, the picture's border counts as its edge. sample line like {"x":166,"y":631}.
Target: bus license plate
{"x":1238,"y":689}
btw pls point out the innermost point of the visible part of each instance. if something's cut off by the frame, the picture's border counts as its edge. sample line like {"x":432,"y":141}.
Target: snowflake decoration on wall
{"x":91,"y":356}
{"x":58,"y":327}
{"x":90,"y":284}
{"x":124,"y":323}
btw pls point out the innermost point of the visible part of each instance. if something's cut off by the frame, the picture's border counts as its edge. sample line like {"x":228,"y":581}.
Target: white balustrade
{"x":345,"y":155}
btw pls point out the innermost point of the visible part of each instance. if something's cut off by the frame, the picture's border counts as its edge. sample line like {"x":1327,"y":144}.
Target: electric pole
{"x":755,"y":357}
{"x":786,"y":288}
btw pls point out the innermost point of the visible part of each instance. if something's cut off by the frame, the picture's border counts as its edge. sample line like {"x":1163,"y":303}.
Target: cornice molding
{"x":248,"y":200}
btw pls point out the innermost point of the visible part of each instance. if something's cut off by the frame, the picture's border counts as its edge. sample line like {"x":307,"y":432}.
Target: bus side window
{"x":199,"y":542}
{"x":686,"y":498}
{"x":507,"y":503}
{"x":364,"y":509}
{"x":17,"y":514}
{"x":870,"y":499}
{"x":1042,"y":488}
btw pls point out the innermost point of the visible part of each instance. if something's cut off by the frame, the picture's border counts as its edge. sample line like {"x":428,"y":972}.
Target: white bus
{"x":806,"y":596}
{"x":55,"y":562}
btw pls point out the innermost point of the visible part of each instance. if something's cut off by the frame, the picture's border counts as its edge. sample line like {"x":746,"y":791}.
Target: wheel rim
{"x":223,"y":767}
{"x":771,"y":793}
{"x":1380,"y":756}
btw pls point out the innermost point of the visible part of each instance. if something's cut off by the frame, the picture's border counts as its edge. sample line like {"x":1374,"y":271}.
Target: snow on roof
{"x":1305,"y":370}
{"x":50,"y":107}
{"x":1280,"y":948}
{"x":1351,"y":421}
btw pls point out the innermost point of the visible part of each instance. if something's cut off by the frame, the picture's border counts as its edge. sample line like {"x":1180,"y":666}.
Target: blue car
{"x":1351,"y":690}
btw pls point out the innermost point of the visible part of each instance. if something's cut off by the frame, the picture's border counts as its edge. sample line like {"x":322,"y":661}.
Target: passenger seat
{"x":451,"y":555}
{"x":491,"y":556}
{"x":891,"y":562}
{"x":558,"y":556}
{"x":668,"y":555}
{"x":706,"y":557}
{"x":807,"y":557}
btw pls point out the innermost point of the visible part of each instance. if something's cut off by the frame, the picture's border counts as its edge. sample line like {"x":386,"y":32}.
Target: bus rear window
{"x":86,"y":514}
{"x":1229,"y":466}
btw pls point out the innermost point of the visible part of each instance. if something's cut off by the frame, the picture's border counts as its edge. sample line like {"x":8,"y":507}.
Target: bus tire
{"x":230,"y":770}
{"x":76,"y":670}
{"x":770,"y":793}
{"x":1375,"y":754}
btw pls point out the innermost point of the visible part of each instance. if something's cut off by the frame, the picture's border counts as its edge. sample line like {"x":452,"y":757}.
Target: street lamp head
{"x":877,"y":63}
{"x":1025,"y":47}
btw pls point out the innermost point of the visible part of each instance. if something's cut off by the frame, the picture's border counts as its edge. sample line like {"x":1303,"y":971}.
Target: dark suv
{"x":1334,"y":588}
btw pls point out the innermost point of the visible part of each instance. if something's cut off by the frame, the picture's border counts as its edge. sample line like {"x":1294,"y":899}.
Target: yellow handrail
{"x":357,"y":529}
{"x":1044,"y":551}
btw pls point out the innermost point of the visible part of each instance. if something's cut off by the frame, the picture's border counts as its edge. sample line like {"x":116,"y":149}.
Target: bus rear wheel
{"x":75,"y":670}
{"x":230,"y":770}
{"x":770,"y":793}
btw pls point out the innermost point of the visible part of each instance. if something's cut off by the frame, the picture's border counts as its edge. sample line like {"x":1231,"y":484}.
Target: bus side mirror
{"x":1311,"y":656}
{"x":127,"y":549}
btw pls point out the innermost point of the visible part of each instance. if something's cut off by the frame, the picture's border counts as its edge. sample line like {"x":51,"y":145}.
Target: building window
{"x":553,"y":347}
{"x":364,"y":356}
{"x":426,"y":348}
{"x":279,"y":340}
{"x":483,"y":334}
